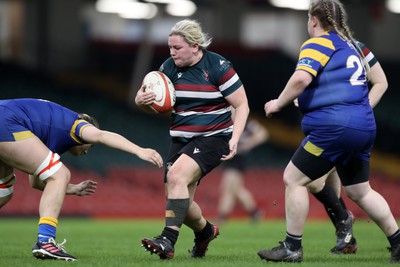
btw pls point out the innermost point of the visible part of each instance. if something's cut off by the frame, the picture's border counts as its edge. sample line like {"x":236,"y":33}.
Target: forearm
{"x":379,"y":84}
{"x":241,"y":113}
{"x":375,"y":94}
{"x":36,"y":183}
{"x":117,"y":141}
{"x":71,"y":189}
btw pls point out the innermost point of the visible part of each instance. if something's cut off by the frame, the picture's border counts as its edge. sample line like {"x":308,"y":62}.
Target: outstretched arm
{"x":92,"y":135}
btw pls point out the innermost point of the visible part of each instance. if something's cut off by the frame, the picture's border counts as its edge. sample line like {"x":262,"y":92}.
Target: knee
{"x":290,"y":180}
{"x":174,"y":178}
{"x":357,"y":192}
{"x":316,"y":186}
{"x":62,"y":176}
{"x":65,"y":174}
{"x":313,"y":188}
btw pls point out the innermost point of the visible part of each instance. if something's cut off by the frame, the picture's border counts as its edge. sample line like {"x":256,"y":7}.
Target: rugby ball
{"x":162,"y":86}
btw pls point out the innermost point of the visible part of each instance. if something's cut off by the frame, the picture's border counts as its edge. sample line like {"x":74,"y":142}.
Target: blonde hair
{"x":332,"y":16}
{"x":192,"y":32}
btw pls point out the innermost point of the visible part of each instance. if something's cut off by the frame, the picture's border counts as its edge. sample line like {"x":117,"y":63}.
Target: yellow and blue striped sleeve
{"x":76,"y":130}
{"x":315,"y":54}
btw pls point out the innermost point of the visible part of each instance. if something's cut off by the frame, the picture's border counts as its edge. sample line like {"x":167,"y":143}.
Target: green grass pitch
{"x":117,"y":243}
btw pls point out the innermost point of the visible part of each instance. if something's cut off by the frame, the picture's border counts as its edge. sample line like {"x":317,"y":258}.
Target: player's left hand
{"x":84,"y":188}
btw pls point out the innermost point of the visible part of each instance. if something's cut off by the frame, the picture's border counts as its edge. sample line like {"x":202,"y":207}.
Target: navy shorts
{"x":328,"y":146}
{"x":338,"y":144}
{"x":206,"y":151}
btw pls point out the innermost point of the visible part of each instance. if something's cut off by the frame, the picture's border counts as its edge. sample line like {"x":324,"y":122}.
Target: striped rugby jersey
{"x":369,"y":56}
{"x":201,"y":108}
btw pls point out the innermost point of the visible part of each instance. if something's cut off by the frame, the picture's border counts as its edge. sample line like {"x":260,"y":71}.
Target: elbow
{"x":385,"y":86}
{"x":247,"y":110}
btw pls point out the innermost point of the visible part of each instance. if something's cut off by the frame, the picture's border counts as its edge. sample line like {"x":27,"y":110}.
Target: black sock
{"x":171,"y":234}
{"x":332,"y":204}
{"x":394,"y":239}
{"x":342,"y":202}
{"x":294,"y":241}
{"x":205,"y":233}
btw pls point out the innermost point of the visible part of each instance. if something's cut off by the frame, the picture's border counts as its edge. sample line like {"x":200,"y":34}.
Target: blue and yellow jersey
{"x":57,"y":127}
{"x":338,"y":94}
{"x":201,"y":108}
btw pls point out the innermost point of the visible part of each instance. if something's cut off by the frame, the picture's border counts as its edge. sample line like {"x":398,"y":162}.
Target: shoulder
{"x":217,"y":62}
{"x":167,"y":65}
{"x":324,"y":41}
{"x":215,"y":57}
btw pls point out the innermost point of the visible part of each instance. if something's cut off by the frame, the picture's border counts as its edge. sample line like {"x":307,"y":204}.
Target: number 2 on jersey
{"x":354,"y":62}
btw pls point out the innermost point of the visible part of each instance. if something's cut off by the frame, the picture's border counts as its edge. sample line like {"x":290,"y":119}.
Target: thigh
{"x":293,"y":176}
{"x":25,"y":155}
{"x":185,"y":168}
{"x":354,"y":171}
{"x":206,"y":152}
{"x":312,"y":166}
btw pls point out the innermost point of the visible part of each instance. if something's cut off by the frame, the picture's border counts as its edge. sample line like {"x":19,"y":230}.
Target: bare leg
{"x":194,"y":218}
{"x":54,"y":193}
{"x":374,"y":205}
{"x":229,"y":190}
{"x":296,"y":199}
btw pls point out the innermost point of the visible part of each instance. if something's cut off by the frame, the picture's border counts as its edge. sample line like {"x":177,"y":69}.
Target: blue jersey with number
{"x":338,"y":94}
{"x":201,"y":108}
{"x":57,"y":127}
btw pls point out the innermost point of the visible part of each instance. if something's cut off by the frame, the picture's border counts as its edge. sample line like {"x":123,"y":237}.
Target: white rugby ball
{"x":162,"y":86}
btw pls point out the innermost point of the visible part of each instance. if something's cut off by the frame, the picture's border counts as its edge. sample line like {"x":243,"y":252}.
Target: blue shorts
{"x":338,"y":144}
{"x":326,"y":147}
